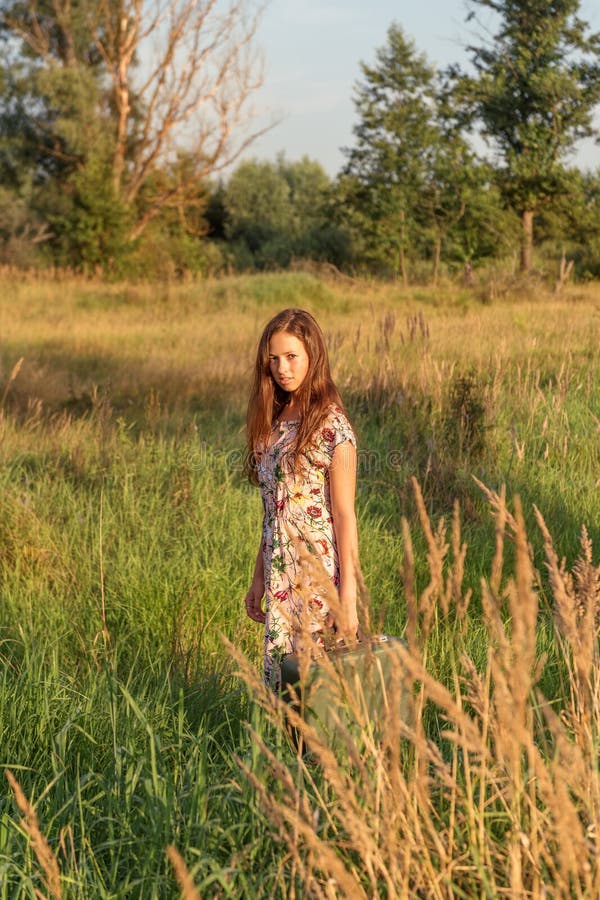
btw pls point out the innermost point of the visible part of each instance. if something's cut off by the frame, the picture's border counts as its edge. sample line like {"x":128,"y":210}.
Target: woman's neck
{"x":291,"y":410}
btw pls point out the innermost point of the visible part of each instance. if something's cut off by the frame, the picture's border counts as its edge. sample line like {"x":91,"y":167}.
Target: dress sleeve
{"x":336,"y":429}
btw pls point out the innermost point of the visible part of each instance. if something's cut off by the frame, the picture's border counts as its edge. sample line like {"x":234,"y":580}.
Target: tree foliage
{"x":112,"y":93}
{"x":122,"y":121}
{"x":394,"y":136}
{"x":411,"y":178}
{"x":535,"y":85}
{"x":277,"y":212}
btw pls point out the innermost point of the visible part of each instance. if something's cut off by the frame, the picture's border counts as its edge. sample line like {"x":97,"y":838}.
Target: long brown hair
{"x":314,"y":397}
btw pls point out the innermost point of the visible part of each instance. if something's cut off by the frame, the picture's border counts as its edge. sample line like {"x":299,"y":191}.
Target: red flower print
{"x":315,"y":492}
{"x":328,"y":434}
{"x":323,"y":545}
{"x":281,"y":595}
{"x":280,"y":504}
{"x":315,"y":511}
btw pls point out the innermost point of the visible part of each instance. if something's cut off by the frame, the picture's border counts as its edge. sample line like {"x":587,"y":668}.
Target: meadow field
{"x":132,"y":719}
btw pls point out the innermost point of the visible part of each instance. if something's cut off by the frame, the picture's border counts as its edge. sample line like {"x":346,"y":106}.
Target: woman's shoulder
{"x":335,"y":429}
{"x":335,"y":415}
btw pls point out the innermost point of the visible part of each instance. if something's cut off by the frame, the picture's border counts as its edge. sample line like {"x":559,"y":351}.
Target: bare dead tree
{"x":181,"y":73}
{"x":197,"y":70}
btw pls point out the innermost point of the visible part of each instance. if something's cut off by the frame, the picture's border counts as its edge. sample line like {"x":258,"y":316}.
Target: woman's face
{"x":288,"y":360}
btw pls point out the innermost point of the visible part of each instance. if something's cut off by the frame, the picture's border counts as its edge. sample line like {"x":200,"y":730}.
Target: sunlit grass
{"x":127,"y":539}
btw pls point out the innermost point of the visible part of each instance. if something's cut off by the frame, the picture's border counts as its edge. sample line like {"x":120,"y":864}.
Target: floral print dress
{"x":297,"y":510}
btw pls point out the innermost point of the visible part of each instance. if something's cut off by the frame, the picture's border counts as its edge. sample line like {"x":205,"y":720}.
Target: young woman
{"x":302,"y":454}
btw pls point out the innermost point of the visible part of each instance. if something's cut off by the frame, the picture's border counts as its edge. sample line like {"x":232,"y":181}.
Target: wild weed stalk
{"x":507,"y":800}
{"x":122,"y":515}
{"x":39,"y":843}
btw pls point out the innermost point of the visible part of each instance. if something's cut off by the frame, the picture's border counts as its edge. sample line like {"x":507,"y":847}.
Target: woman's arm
{"x":342,"y":484}
{"x":254,"y":597}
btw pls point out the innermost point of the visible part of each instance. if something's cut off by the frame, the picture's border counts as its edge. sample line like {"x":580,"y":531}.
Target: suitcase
{"x":351,"y":691}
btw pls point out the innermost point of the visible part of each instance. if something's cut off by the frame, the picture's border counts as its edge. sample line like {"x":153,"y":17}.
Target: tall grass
{"x":504,"y":800}
{"x":127,"y":539}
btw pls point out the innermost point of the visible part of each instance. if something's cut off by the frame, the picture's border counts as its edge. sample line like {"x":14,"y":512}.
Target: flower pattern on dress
{"x":297,"y":506}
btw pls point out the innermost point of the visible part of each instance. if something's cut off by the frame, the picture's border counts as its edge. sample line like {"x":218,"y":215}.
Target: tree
{"x":21,"y":234}
{"x":381,"y":179}
{"x":568,"y":230}
{"x":487,"y":229}
{"x":277,"y":211}
{"x":196,"y":89}
{"x":54,"y":112}
{"x":536,"y":84}
{"x":452,"y":185}
{"x":308,"y":185}
{"x":55,"y":149}
{"x":164,"y":78}
{"x":409,"y":174}
{"x":258,"y":213}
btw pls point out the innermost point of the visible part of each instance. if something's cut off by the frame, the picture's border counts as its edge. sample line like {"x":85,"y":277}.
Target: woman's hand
{"x":254,"y":597}
{"x":347,"y":625}
{"x":253,"y":602}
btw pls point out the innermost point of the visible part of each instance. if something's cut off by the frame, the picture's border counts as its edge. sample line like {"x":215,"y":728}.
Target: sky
{"x":312,"y":50}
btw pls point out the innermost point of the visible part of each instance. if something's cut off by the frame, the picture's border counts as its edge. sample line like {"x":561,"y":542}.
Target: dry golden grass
{"x":182,"y":342}
{"x":507,"y":801}
{"x":39,"y":843}
{"x":492,"y":788}
{"x":182,"y":873}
